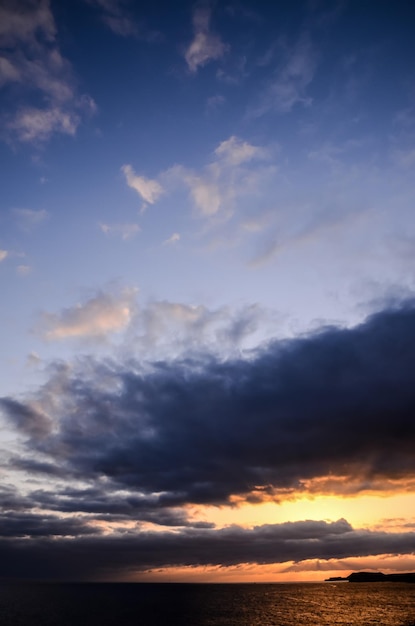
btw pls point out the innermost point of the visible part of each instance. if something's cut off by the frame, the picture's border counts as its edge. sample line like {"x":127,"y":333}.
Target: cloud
{"x":3,"y":255}
{"x":35,"y":525}
{"x":33,"y":359}
{"x":8,"y":72}
{"x":206,"y":46}
{"x":214,"y":189}
{"x":150,"y":190}
{"x":295,"y":73}
{"x":328,"y":413}
{"x":30,"y":418}
{"x":32,"y":124}
{"x":165,"y":329}
{"x":108,"y":558}
{"x":32,"y":58}
{"x":22,"y":21}
{"x":235,"y":151}
{"x":320,"y":224}
{"x":97,"y":317}
{"x":125,"y":231}
{"x":205,"y":191}
{"x":174,"y":238}
{"x":118,"y":18}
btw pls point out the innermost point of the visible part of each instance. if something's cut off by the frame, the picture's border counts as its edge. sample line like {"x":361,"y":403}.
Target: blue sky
{"x":197,"y":181}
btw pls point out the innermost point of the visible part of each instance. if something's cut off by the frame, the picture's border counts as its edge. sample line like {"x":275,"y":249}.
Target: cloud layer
{"x":98,"y":557}
{"x":330,"y":413}
{"x":124,"y":447}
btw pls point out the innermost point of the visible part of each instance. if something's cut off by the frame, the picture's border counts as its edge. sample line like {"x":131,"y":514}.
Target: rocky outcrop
{"x":375,"y":577}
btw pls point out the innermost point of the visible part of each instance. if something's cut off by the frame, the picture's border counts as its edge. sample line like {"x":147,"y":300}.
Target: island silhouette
{"x":374,"y":577}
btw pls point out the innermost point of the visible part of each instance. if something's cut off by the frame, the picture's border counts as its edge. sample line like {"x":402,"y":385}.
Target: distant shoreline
{"x":374,"y":577}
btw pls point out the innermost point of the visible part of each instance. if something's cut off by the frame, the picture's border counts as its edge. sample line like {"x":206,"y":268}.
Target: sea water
{"x":325,"y":604}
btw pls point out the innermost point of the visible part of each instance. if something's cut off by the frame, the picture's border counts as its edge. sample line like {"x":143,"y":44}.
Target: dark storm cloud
{"x":33,"y":525}
{"x":27,"y":419}
{"x":111,"y":507}
{"x":97,"y":558}
{"x":11,"y":500}
{"x":34,"y":466}
{"x":338,"y":403}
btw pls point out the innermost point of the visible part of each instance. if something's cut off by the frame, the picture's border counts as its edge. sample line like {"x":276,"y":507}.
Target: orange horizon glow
{"x":303,"y":572}
{"x":362,"y":511}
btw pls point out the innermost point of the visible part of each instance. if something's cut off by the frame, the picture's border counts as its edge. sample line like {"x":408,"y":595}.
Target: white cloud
{"x":99,"y":316}
{"x":206,"y":46}
{"x":174,"y":238}
{"x":32,"y":57}
{"x":235,"y":151}
{"x":3,"y":255}
{"x":150,"y":190}
{"x":214,"y":189}
{"x":205,"y":192}
{"x":125,"y":231}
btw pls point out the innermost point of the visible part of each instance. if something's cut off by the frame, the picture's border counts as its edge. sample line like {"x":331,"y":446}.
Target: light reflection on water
{"x":329,"y":604}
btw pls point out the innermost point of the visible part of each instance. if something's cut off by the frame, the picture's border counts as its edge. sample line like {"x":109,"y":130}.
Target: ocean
{"x":170,"y":604}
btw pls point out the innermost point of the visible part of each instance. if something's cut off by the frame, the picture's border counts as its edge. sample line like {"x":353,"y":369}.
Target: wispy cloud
{"x":32,"y":124}
{"x":176,"y":328}
{"x":295,"y":72}
{"x":3,"y":255}
{"x":214,"y":188}
{"x":117,"y":16}
{"x":125,"y":231}
{"x":205,"y":191}
{"x":32,"y":58}
{"x":174,"y":238}
{"x":97,"y":317}
{"x":236,"y":151}
{"x":149,"y":189}
{"x":206,"y":46}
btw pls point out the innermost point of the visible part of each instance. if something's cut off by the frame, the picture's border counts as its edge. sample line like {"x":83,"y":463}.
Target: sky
{"x":207,"y":314}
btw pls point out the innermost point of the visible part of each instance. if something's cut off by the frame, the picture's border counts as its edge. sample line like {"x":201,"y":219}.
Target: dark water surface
{"x":384,"y":604}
